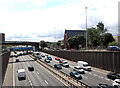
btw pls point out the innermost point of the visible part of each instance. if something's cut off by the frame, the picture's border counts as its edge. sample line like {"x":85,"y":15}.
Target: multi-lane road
{"x":39,"y":77}
{"x":92,"y":78}
{"x":42,"y":77}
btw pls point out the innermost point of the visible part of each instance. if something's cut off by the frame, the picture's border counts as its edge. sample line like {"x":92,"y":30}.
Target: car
{"x":58,"y":66}
{"x":50,"y":58}
{"x":39,"y":57}
{"x":75,"y":74}
{"x":65,"y":64}
{"x":30,"y":68}
{"x":47,"y":60}
{"x":79,"y":69}
{"x":15,"y":55}
{"x":116,"y":83}
{"x":113,"y":76}
{"x":17,"y":60}
{"x":104,"y":86}
{"x":21,"y":74}
{"x":56,"y":58}
{"x":42,"y":55}
{"x":114,"y":48}
{"x":61,"y":61}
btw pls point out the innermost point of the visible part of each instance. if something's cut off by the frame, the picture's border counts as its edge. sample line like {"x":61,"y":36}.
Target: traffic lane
{"x":48,"y":78}
{"x":21,"y":83}
{"x":87,"y":77}
{"x":34,"y":79}
{"x":45,"y":75}
{"x":98,"y":73}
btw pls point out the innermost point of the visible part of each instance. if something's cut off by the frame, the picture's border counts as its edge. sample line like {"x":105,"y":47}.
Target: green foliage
{"x":98,"y":35}
{"x":113,"y":43}
{"x":43,"y":44}
{"x":106,"y":38}
{"x":58,"y":42}
{"x":76,"y":40}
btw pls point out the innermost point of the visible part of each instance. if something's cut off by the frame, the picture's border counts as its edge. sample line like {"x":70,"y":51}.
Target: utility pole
{"x":86,"y":28}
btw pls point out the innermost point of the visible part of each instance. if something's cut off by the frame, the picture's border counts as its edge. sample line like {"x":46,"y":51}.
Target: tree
{"x":58,"y":43}
{"x":107,"y":38}
{"x":76,"y":40}
{"x":93,"y":36}
{"x":43,"y":44}
{"x":101,"y":29}
{"x":113,"y":43}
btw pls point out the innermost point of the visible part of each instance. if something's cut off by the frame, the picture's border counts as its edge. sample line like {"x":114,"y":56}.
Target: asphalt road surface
{"x":92,"y":78}
{"x":39,"y":77}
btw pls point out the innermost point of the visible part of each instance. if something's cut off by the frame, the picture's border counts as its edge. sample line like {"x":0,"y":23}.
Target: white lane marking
{"x":46,"y":82}
{"x":85,"y":77}
{"x":13,"y":75}
{"x":31,"y":84}
{"x":37,"y":72}
{"x":94,"y":74}
{"x":107,"y":79}
{"x":100,"y":76}
{"x":89,"y":73}
{"x":99,"y":71}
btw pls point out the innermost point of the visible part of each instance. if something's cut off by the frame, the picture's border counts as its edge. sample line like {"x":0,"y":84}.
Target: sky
{"x":36,"y":20}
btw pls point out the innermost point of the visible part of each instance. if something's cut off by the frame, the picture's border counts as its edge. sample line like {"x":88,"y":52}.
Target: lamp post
{"x":86,"y":27}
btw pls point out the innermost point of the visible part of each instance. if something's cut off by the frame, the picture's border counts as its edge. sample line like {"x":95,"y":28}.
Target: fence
{"x":107,"y":60}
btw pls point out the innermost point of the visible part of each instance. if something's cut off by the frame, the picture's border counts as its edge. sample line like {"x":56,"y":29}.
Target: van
{"x":84,"y":65}
{"x":21,"y":74}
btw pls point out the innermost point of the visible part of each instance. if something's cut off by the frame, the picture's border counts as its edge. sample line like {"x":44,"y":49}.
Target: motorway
{"x":92,"y":78}
{"x":39,"y":77}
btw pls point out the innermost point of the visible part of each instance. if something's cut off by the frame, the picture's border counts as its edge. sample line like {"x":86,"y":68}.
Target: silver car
{"x":79,"y":69}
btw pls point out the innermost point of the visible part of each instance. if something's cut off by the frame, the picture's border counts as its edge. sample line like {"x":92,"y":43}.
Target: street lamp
{"x":86,"y":27}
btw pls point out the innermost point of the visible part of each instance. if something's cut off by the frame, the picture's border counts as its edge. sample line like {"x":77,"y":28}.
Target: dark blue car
{"x":113,"y":76}
{"x":114,"y":48}
{"x":58,"y":66}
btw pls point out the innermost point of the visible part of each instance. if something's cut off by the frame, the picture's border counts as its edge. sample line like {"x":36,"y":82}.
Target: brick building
{"x":117,"y":39}
{"x":68,"y":34}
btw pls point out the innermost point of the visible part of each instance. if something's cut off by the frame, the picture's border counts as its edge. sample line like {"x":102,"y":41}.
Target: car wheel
{"x":115,"y":86}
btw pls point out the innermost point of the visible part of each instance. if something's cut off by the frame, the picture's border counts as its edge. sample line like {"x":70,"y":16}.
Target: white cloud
{"x":67,"y":16}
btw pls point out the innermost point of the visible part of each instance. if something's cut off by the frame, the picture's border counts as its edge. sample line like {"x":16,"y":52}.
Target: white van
{"x":21,"y":73}
{"x":84,"y":65}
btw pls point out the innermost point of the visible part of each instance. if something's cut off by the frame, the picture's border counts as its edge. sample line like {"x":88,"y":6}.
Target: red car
{"x":56,"y":58}
{"x":61,"y":61}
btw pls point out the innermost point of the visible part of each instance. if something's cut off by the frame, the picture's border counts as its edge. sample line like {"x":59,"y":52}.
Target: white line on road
{"x":13,"y":76}
{"x":94,"y":74}
{"x":107,"y":79}
{"x":37,"y":72}
{"x":100,"y":76}
{"x":46,"y":82}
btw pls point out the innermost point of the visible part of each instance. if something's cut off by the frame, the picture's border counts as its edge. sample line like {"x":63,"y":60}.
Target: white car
{"x":21,"y":74}
{"x":79,"y":69}
{"x":116,"y":83}
{"x":65,"y":64}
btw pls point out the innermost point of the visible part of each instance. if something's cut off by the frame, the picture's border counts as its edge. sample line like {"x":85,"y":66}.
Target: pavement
{"x":9,"y":74}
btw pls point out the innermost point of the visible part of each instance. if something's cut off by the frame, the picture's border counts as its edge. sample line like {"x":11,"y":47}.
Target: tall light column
{"x":86,"y":27}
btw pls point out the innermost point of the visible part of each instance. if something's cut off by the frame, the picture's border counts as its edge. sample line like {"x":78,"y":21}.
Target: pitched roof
{"x":71,"y":33}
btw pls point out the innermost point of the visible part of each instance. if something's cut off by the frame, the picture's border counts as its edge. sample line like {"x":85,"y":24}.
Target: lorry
{"x":84,"y":65}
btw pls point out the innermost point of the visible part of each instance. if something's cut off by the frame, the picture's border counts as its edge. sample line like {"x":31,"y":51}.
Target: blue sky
{"x":35,"y":20}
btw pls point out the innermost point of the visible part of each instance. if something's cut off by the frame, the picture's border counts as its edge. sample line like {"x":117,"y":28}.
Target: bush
{"x":113,"y":44}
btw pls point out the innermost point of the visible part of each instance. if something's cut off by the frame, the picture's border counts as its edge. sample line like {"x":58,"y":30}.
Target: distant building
{"x":117,"y":39}
{"x":68,"y":34}
{"x":2,"y":37}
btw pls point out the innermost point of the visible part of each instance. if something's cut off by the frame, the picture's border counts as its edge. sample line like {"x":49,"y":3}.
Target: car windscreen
{"x":85,"y":65}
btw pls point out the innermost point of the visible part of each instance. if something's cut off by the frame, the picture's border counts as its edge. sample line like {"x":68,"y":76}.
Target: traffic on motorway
{"x":80,"y":70}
